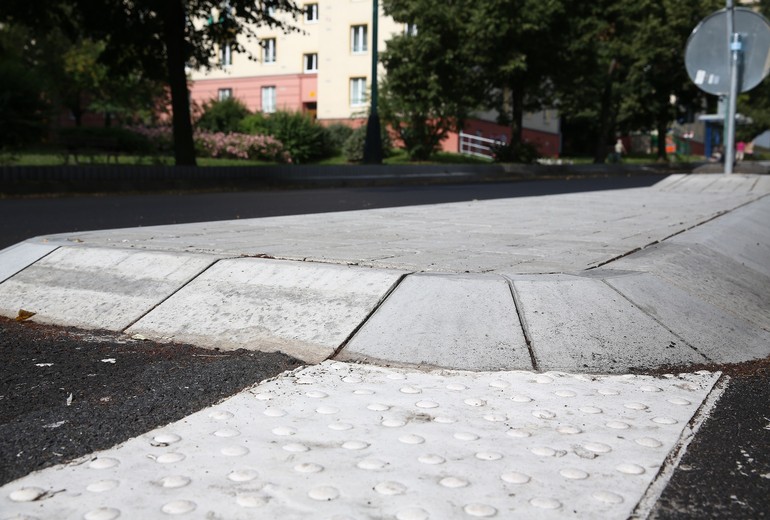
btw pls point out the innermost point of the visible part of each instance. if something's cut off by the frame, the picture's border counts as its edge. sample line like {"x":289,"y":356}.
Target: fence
{"x":478,"y":146}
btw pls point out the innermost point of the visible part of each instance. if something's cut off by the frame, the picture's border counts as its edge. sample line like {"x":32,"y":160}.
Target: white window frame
{"x":358,"y":96}
{"x":224,"y":93}
{"x":311,"y":13}
{"x":310,"y":63}
{"x":226,"y":55}
{"x":359,"y":34}
{"x":269,"y":97}
{"x":268,"y":50}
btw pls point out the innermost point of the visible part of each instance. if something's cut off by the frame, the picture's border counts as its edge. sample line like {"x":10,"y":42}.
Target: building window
{"x":310,"y":62}
{"x":224,"y":93}
{"x":311,"y":13}
{"x":268,"y":100}
{"x":357,"y":92}
{"x":410,"y":29}
{"x":358,"y":39}
{"x":226,"y":55}
{"x":268,"y":50}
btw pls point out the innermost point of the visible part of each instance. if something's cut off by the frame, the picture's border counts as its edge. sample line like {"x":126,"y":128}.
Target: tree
{"x":513,"y":42}
{"x":24,"y":109}
{"x":431,"y":83}
{"x":657,"y":86}
{"x":158,"y":37}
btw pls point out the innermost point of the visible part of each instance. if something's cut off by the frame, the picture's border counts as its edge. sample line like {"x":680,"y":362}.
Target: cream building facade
{"x":325,"y":70}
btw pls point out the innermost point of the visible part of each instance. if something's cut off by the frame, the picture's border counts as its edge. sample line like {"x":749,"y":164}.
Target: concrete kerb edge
{"x":650,"y":498}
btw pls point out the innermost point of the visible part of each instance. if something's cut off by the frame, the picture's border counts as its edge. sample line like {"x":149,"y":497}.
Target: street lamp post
{"x":373,"y":142}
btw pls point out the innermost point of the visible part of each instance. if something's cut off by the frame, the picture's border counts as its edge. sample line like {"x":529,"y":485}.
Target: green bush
{"x":515,"y":153}
{"x":117,"y":139}
{"x":304,"y":139}
{"x":354,"y":145}
{"x":222,"y":116}
{"x":338,"y":133}
{"x":23,"y":109}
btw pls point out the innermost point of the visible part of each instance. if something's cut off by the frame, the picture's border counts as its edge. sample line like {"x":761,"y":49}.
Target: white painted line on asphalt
{"x":362,"y":441}
{"x":303,"y":309}
{"x":97,"y":288}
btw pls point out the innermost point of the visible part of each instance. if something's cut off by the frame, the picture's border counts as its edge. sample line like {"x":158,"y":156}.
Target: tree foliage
{"x":158,"y":37}
{"x":431,"y":83}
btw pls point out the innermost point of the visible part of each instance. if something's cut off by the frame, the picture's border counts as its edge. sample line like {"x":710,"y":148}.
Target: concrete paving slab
{"x":584,"y":325}
{"x":711,"y":276}
{"x":719,"y":335}
{"x":452,"y":321}
{"x":97,"y":288}
{"x":712,"y":183}
{"x":742,"y":235}
{"x":349,"y":441}
{"x":16,"y":258}
{"x":304,"y":310}
{"x":569,"y":232}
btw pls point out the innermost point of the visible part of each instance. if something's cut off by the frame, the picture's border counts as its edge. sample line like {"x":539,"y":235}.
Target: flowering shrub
{"x":240,"y":146}
{"x":220,"y":145}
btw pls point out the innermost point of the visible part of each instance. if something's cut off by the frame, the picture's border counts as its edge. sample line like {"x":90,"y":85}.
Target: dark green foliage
{"x":23,"y":111}
{"x":112,"y":139}
{"x":303,"y":138}
{"x":353,"y":148}
{"x":432,"y":82}
{"x":515,"y":152}
{"x":223,"y":115}
{"x":337,"y":135}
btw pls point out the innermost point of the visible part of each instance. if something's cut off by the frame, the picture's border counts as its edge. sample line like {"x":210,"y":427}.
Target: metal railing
{"x":478,"y":146}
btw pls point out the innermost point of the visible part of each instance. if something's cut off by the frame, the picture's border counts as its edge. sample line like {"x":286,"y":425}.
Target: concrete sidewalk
{"x":528,"y":293}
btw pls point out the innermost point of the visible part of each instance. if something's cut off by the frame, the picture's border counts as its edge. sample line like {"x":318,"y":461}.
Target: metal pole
{"x":734,"y":46}
{"x":373,"y":142}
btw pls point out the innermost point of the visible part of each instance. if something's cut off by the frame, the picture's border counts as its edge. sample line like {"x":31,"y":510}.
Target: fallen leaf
{"x":69,"y":399}
{"x":24,"y":315}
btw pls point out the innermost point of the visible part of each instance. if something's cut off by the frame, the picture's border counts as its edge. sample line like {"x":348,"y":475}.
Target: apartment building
{"x":325,"y":70}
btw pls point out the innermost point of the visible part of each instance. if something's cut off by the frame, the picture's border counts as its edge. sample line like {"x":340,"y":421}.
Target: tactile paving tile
{"x":341,"y":440}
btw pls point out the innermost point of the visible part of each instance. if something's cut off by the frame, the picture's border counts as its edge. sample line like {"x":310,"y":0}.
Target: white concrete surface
{"x":453,"y":321}
{"x":719,"y":335}
{"x":705,"y":236}
{"x":348,"y":441}
{"x":17,"y":257}
{"x":303,"y":309}
{"x":97,"y":288}
{"x":582,"y":324}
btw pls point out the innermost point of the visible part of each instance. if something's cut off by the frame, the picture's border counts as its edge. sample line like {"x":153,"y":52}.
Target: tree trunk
{"x":517,"y":114}
{"x":662,"y":130}
{"x":174,"y":20}
{"x":605,"y":117}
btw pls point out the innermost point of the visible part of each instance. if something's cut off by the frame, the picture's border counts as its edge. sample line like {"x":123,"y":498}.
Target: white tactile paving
{"x":341,"y":440}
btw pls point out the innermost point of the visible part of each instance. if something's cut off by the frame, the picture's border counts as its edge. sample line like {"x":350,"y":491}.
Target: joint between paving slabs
{"x":656,"y":320}
{"x":164,"y":300}
{"x":30,"y":265}
{"x":523,"y":324}
{"x":379,"y":304}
